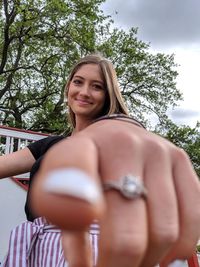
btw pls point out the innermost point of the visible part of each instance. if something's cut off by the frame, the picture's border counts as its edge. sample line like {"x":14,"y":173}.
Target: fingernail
{"x":177,"y":263}
{"x":73,"y":182}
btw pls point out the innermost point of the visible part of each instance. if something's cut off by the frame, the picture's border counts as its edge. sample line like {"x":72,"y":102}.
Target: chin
{"x":88,"y":113}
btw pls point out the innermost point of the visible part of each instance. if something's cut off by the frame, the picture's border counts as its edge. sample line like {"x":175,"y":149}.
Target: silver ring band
{"x":131,"y":187}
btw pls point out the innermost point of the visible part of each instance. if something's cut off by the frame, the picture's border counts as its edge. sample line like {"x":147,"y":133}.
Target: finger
{"x":188,"y":195}
{"x":57,"y":199}
{"x":77,"y":248}
{"x":70,"y":199}
{"x":123,"y":232}
{"x":161,"y":204}
{"x":123,"y":229}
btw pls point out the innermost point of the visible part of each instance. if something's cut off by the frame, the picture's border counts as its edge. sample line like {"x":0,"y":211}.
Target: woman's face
{"x":86,"y":92}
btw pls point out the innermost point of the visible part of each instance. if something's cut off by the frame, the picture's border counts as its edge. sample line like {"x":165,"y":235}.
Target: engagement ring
{"x":129,"y":186}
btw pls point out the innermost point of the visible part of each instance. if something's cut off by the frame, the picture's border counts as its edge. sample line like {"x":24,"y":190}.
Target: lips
{"x":83,"y":101}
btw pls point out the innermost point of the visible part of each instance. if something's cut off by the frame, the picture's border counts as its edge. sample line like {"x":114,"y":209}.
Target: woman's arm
{"x":16,"y":163}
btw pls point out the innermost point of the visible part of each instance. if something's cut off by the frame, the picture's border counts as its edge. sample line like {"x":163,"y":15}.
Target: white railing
{"x":13,"y":139}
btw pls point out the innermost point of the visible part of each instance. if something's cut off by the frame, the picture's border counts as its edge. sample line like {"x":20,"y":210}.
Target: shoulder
{"x":50,"y":140}
{"x":38,"y":148}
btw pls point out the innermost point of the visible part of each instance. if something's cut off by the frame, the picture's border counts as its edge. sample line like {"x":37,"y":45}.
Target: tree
{"x":186,"y":138}
{"x":148,"y":81}
{"x":40,"y":41}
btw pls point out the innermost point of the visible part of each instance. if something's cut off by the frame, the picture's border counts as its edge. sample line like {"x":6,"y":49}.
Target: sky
{"x":170,"y":26}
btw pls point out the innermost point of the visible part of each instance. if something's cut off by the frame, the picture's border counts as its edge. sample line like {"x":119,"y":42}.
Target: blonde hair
{"x":114,"y":102}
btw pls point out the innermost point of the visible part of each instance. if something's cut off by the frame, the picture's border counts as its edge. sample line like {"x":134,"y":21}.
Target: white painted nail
{"x":73,"y":182}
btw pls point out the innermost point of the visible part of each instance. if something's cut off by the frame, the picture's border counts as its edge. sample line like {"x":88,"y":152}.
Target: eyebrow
{"x":77,"y":76}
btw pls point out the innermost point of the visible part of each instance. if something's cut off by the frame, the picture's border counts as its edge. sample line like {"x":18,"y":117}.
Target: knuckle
{"x":184,"y":249}
{"x":158,"y":149}
{"x":180,"y":154}
{"x":133,"y":248}
{"x":165,"y":236}
{"x":188,"y":251}
{"x":126,"y":136}
{"x":130,"y":140}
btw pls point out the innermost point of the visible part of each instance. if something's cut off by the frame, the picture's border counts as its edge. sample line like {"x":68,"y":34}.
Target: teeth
{"x":73,"y":182}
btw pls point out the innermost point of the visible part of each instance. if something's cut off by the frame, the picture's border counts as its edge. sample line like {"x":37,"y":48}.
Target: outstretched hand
{"x":133,"y":233}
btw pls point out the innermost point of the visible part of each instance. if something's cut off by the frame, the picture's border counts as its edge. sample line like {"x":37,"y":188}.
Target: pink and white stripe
{"x":38,"y":244}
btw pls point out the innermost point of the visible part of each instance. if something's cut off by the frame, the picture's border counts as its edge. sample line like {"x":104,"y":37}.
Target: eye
{"x":97,"y":87}
{"x":77,"y":81}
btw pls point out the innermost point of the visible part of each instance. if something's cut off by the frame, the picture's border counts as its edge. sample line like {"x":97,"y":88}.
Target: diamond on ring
{"x":129,"y":186}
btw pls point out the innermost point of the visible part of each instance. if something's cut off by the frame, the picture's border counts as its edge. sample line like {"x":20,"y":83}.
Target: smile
{"x":83,"y":102}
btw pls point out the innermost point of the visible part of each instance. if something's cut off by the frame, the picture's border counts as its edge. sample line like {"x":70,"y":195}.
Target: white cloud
{"x":183,"y":115}
{"x":189,"y":78}
{"x":161,"y":22}
{"x":171,"y":26}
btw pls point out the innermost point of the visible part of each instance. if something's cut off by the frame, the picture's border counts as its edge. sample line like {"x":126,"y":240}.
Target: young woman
{"x":92,"y":91}
{"x":105,"y":151}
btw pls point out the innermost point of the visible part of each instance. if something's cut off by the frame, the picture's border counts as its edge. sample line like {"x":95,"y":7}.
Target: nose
{"x":85,"y":90}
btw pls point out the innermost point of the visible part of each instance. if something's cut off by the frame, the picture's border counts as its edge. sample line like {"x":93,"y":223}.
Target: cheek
{"x":102,"y":99}
{"x":70,"y":94}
